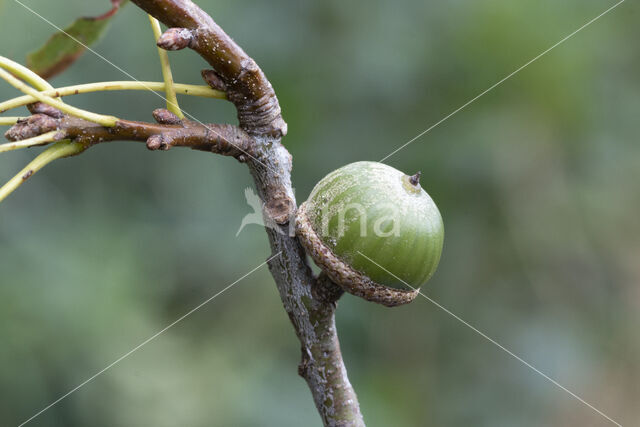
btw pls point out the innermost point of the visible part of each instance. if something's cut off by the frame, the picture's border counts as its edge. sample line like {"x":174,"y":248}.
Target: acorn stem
{"x":415,"y":179}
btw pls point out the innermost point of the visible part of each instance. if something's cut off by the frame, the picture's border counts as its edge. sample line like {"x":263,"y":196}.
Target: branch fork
{"x":247,"y":87}
{"x":309,"y":301}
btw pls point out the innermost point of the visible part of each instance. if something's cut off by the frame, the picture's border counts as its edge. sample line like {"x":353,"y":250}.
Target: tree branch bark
{"x":310,"y":302}
{"x":224,"y":139}
{"x":246,"y":85}
{"x":259,"y":114}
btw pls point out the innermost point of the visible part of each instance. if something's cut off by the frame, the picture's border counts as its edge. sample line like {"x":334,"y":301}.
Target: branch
{"x":311,"y":314}
{"x":169,"y":132}
{"x":322,"y":366}
{"x":306,"y":300}
{"x":247,"y":87}
{"x":75,"y":135}
{"x":310,"y":302}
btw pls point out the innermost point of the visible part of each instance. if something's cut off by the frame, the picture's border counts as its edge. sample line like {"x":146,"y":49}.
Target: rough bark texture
{"x":224,"y":139}
{"x":311,"y":313}
{"x":247,"y":87}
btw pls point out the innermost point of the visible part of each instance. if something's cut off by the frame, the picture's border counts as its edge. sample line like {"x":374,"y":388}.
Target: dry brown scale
{"x":342,"y":273}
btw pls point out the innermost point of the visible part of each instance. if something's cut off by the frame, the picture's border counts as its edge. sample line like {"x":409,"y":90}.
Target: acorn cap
{"x":342,"y":273}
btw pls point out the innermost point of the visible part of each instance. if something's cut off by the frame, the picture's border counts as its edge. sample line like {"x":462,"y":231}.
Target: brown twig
{"x":170,"y":132}
{"x":247,"y":87}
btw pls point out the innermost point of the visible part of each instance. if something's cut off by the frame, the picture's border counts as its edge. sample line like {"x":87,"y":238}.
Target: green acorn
{"x":373,"y":230}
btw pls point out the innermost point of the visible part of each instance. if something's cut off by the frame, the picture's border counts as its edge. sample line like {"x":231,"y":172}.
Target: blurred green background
{"x":537,"y":182}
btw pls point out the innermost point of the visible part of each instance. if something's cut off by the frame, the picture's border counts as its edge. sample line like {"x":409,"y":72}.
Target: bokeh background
{"x":537,"y":182}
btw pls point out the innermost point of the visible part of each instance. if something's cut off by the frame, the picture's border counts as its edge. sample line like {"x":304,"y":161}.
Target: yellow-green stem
{"x":25,"y":74}
{"x":180,"y":88}
{"x":45,"y":138}
{"x":9,"y":121}
{"x":108,"y":121}
{"x":172,"y":99}
{"x":57,"y":151}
